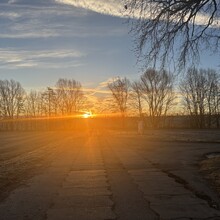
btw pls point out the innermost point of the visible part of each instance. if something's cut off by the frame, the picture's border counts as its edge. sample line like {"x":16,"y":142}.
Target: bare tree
{"x":212,"y":96}
{"x":50,"y":102}
{"x":12,"y":97}
{"x":200,"y":90}
{"x":120,"y":90}
{"x":174,"y":29}
{"x":33,"y":104}
{"x":157,"y":88}
{"x":194,"y":90}
{"x":137,"y":96}
{"x":69,"y":95}
{"x":216,"y":101}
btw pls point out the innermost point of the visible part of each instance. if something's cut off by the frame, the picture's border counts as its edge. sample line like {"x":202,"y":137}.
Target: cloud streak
{"x":116,"y":8}
{"x":108,"y":7}
{"x":57,"y":21}
{"x":15,"y":59}
{"x":101,"y":89}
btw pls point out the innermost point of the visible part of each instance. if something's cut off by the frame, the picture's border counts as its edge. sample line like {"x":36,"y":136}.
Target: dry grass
{"x":210,"y":168}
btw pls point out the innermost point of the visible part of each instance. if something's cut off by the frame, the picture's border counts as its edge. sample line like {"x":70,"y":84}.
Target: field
{"x":162,"y":174}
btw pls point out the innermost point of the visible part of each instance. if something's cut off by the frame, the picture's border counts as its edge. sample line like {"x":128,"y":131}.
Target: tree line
{"x":156,"y":93}
{"x":154,"y":96}
{"x":64,"y":99}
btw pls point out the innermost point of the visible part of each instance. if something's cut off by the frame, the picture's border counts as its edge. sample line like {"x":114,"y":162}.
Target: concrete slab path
{"x":117,"y":176}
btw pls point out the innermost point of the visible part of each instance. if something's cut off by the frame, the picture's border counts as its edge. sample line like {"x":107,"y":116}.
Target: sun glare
{"x":87,"y":115}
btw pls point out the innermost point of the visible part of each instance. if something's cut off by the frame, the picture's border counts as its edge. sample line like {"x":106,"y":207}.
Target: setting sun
{"x":87,"y":115}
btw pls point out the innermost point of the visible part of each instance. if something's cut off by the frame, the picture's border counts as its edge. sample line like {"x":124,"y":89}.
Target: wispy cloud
{"x":15,"y":59}
{"x":104,"y":84}
{"x":9,"y":15}
{"x":33,"y":30}
{"x":12,"y":1}
{"x":116,"y":8}
{"x":55,"y":20}
{"x":95,"y":91}
{"x":100,"y":90}
{"x":108,"y":7}
{"x":98,"y":96}
{"x":58,"y":20}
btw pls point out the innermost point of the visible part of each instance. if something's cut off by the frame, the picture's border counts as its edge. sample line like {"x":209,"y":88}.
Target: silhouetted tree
{"x":178,"y":30}
{"x":33,"y":104}
{"x":200,"y":90}
{"x":157,"y":88}
{"x":50,"y":101}
{"x":69,"y":96}
{"x":137,"y":96}
{"x":194,"y":89}
{"x":12,"y":97}
{"x":120,"y":91}
{"x":213,"y":96}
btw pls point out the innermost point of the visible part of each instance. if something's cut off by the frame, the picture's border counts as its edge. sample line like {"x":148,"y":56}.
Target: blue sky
{"x":87,"y":40}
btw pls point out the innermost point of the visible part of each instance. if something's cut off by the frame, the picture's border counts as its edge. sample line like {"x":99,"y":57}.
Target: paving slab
{"x":117,"y":177}
{"x":167,"y":194}
{"x":98,"y":213}
{"x":129,"y":201}
{"x":83,"y":201}
{"x":76,"y":191}
{"x":85,"y":192}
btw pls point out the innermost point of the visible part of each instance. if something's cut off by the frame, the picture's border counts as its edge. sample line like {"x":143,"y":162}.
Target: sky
{"x":86,"y":40}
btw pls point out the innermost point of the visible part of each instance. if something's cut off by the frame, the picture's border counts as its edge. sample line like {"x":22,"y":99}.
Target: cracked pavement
{"x":113,"y":176}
